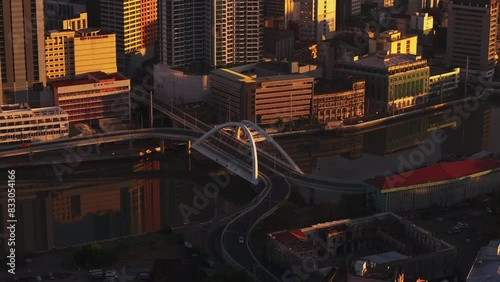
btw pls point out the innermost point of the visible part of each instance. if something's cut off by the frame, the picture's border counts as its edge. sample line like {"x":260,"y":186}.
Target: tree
{"x":279,"y":123}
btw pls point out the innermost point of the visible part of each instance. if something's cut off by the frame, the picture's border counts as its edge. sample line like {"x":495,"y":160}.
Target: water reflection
{"x":92,"y":208}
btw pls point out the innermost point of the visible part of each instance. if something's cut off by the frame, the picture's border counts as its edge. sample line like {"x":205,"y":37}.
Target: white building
{"x":21,"y":124}
{"x":487,"y":264}
{"x":421,"y":22}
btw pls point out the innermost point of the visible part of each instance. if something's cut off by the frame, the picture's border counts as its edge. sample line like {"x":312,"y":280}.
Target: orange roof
{"x":435,"y":173}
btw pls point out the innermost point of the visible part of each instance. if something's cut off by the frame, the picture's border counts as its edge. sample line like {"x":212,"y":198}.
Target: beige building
{"x":93,"y":96}
{"x":264,"y":100}
{"x":421,"y":22}
{"x":338,"y":100}
{"x":472,"y":32}
{"x":393,"y":42}
{"x":317,"y":19}
{"x":76,"y":23}
{"x":71,"y":52}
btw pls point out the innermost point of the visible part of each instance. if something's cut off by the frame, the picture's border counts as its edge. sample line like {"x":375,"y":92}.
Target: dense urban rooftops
{"x":88,"y":78}
{"x":383,"y":61}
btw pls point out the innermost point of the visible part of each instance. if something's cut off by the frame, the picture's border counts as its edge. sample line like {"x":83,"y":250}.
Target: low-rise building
{"x":442,"y":184}
{"x":443,"y":82}
{"x":338,"y":100}
{"x":93,"y":96}
{"x":486,"y":267}
{"x":376,"y":243}
{"x":263,"y":100}
{"x":20,"y":124}
{"x":393,"y":82}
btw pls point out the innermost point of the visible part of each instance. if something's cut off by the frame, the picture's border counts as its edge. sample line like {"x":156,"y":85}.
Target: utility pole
{"x":151,"y":109}
{"x":466,"y":77}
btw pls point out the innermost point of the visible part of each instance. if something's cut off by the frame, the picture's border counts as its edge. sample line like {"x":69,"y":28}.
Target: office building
{"x":384,"y":3}
{"x":443,"y":82}
{"x":135,"y":23}
{"x":93,"y":96}
{"x":444,"y":184}
{"x":69,"y":53}
{"x":278,"y":44}
{"x":317,"y":20}
{"x":213,"y":34}
{"x":421,"y":22}
{"x":393,"y":42}
{"x":263,"y":100}
{"x":393,"y":82}
{"x":75,"y":23}
{"x":371,"y":243}
{"x":472,"y":32}
{"x":487,"y":264}
{"x":338,"y":100}
{"x":57,"y":11}
{"x":21,"y":124}
{"x":22,"y":56}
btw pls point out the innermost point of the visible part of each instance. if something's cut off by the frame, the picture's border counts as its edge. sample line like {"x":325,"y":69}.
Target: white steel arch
{"x":247,"y":126}
{"x":253,"y":147}
{"x":274,"y":143}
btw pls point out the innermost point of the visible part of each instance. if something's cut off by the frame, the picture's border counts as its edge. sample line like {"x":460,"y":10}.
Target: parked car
{"x":241,"y":240}
{"x":439,"y":218}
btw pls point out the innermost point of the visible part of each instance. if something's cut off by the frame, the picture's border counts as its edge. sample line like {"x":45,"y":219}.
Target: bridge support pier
{"x":130,"y":144}
{"x":98,"y":149}
{"x":162,"y":146}
{"x":188,"y":147}
{"x":31,"y":156}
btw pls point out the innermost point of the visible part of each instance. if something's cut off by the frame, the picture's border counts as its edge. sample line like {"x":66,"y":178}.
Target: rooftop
{"x":487,"y":264}
{"x":282,"y":77}
{"x":87,"y":78}
{"x":439,"y":70}
{"x":327,"y":86}
{"x":435,"y":173}
{"x":384,"y":257}
{"x":24,"y":108}
{"x":385,"y":61}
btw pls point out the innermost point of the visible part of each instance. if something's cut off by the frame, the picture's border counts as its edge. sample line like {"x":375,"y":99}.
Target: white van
{"x":95,"y":272}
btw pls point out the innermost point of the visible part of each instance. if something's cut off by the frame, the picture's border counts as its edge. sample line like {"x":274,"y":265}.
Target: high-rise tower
{"x":211,"y":32}
{"x":472,"y":31}
{"x":135,"y":23}
{"x":22,"y":48}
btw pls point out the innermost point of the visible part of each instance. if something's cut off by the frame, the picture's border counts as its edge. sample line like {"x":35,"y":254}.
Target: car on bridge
{"x":241,"y":240}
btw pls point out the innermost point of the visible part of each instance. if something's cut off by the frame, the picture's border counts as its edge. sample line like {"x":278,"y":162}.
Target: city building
{"x":278,"y":44}
{"x":20,"y":124}
{"x":22,"y":56}
{"x":393,"y":42}
{"x":393,"y":82}
{"x":135,"y":23}
{"x":372,"y":244}
{"x":93,"y":96}
{"x":263,"y":100}
{"x":338,"y":100}
{"x":317,"y":19}
{"x":145,"y":198}
{"x":487,"y":264}
{"x":346,"y":10}
{"x":423,"y":25}
{"x":443,"y":82}
{"x":69,"y":53}
{"x":74,"y":23}
{"x":442,"y":184}
{"x":471,"y":40}
{"x":57,"y":11}
{"x":215,"y":34}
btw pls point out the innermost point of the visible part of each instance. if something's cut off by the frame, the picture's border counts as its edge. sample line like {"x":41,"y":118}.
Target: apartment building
{"x":20,"y":124}
{"x":472,"y":32}
{"x":263,"y":100}
{"x":69,"y":52}
{"x":22,"y":58}
{"x":93,"y":96}
{"x":135,"y":23}
{"x":393,"y":82}
{"x":216,"y":33}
